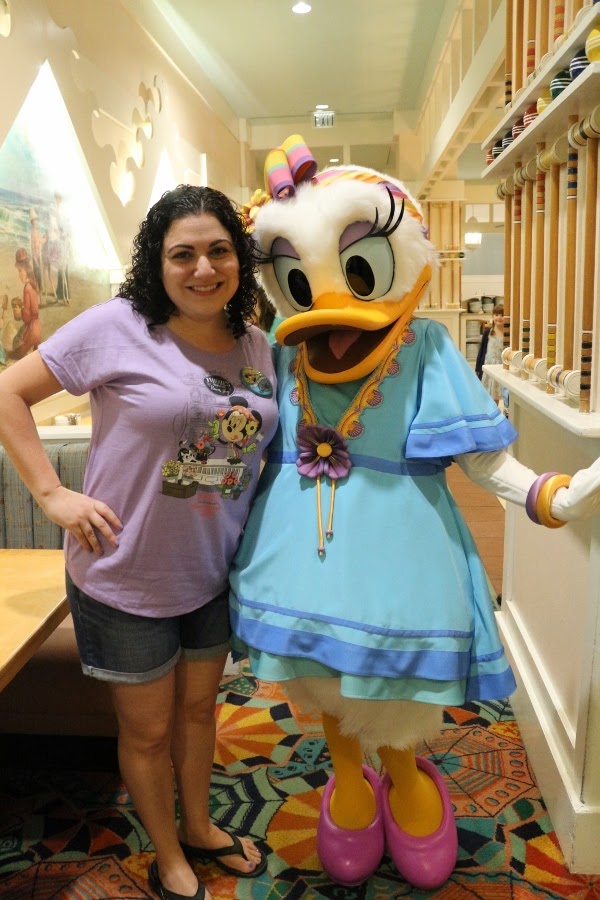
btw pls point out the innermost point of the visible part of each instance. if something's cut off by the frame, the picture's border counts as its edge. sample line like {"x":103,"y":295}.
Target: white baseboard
{"x":577,"y":825}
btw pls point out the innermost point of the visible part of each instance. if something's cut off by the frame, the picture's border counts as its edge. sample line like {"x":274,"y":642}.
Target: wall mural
{"x":55,"y":249}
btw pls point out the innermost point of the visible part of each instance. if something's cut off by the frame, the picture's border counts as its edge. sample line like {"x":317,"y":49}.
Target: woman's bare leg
{"x":145,"y":713}
{"x":192,"y":750}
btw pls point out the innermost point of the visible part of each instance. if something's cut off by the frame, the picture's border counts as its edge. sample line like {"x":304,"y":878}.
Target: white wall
{"x":114,"y":80}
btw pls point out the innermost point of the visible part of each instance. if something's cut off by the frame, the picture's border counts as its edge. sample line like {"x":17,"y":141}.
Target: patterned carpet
{"x":71,"y":834}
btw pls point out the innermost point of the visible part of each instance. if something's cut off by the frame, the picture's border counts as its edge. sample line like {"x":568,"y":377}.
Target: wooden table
{"x":32,"y":604}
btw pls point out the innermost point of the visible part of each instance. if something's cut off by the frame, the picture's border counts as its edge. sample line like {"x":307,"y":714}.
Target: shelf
{"x":553,"y":406}
{"x":64,"y":432}
{"x":57,"y":405}
{"x":438,"y":311}
{"x":576,"y":100}
{"x":451,"y":256}
{"x":558,"y":59}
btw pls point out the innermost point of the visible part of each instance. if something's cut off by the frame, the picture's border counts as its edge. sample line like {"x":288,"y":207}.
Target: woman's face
{"x":200,"y":267}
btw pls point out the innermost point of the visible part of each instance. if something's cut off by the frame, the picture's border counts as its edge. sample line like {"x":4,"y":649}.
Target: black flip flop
{"x":236,"y":848}
{"x":164,"y":894}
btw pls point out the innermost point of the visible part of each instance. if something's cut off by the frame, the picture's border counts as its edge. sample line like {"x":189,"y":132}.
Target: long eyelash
{"x":262,"y":258}
{"x":390,"y":225}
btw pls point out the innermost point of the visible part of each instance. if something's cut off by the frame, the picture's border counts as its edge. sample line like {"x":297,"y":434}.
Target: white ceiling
{"x":359,"y":56}
{"x":366,"y":59}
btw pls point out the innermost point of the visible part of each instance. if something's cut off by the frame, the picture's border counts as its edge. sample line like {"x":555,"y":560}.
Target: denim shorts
{"x":120,"y":647}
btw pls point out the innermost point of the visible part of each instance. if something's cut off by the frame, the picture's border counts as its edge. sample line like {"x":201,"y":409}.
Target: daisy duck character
{"x":388,"y":618}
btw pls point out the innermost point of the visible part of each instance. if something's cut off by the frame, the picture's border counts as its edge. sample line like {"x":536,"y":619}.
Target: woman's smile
{"x":199,"y":263}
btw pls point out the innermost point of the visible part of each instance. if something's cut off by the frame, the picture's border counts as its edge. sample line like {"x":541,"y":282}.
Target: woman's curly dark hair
{"x":143,"y":285}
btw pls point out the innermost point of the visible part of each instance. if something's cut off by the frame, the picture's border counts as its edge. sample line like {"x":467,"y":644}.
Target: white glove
{"x":499,"y":473}
{"x":504,"y":476}
{"x":581,"y":499}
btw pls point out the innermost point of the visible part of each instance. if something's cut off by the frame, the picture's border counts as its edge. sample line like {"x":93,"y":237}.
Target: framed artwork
{"x":55,"y":250}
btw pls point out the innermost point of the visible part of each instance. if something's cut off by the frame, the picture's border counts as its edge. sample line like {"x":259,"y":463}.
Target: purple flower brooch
{"x":323,"y":452}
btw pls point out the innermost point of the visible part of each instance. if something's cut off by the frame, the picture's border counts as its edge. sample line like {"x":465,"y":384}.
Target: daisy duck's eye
{"x":293,"y":282}
{"x":290,"y":275}
{"x":368,"y":267}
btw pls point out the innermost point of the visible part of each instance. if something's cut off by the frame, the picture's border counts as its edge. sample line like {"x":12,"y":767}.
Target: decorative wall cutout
{"x":128,"y":140}
{"x":122,"y":125}
{"x":55,"y":250}
{"x":191,"y":176}
{"x":5,"y":21}
{"x":122,"y":180}
{"x":165,"y":178}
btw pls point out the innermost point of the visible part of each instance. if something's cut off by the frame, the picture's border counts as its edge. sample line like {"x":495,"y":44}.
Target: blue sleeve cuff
{"x":466,"y":434}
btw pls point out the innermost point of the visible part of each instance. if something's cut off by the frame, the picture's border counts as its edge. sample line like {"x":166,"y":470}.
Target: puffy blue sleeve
{"x":455,"y":414}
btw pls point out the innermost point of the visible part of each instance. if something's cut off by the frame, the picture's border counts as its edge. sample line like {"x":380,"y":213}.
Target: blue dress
{"x":398,"y":606}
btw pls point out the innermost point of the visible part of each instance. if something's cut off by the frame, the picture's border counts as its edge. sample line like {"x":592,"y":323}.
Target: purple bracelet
{"x":532,"y":495}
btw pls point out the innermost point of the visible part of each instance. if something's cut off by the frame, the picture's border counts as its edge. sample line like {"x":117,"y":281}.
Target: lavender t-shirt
{"x":177,"y":438}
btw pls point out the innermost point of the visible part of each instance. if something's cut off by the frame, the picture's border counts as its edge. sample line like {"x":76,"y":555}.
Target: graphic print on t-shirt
{"x":211,"y":447}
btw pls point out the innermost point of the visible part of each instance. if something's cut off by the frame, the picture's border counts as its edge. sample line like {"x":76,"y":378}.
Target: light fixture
{"x":334,"y":159}
{"x":473,"y":240}
{"x":322,"y":106}
{"x":301,"y":8}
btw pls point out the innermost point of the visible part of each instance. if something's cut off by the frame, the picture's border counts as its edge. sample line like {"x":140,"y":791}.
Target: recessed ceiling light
{"x":301,"y":8}
{"x":322,"y":106}
{"x":335,"y":159}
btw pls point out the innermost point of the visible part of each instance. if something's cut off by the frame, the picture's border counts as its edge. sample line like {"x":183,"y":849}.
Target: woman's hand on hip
{"x":87,"y":519}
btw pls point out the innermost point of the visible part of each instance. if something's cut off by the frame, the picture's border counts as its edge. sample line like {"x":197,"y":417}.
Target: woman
{"x":150,"y":542}
{"x":30,"y":335}
{"x":490,"y":352}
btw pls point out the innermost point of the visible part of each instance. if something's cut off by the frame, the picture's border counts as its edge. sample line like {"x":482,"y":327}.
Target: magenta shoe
{"x":350,"y":857}
{"x":425,"y":862}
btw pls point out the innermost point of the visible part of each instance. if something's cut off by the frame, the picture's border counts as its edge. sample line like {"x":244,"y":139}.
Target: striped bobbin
{"x":507,"y":140}
{"x":578,"y":63}
{"x":591,"y":124}
{"x":560,"y":81}
{"x":559,"y":20}
{"x":592,"y":45}
{"x":543,"y":101}
{"x":530,"y":114}
{"x":518,"y":128}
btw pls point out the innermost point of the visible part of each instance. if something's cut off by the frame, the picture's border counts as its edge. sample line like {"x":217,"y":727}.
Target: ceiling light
{"x":301,"y":8}
{"x":335,"y":159}
{"x":322,"y":106}
{"x":472,"y":240}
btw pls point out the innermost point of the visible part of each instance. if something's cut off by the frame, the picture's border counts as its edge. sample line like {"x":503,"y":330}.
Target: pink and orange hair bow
{"x":287,"y":166}
{"x":292,"y":164}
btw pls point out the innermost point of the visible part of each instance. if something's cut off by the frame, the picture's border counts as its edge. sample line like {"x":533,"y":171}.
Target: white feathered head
{"x":346,"y":261}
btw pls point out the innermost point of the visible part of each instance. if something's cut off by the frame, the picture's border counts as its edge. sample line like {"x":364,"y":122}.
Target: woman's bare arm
{"x":21,"y":385}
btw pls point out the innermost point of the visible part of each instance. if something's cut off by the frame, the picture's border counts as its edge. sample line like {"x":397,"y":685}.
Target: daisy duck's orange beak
{"x":347,"y":338}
